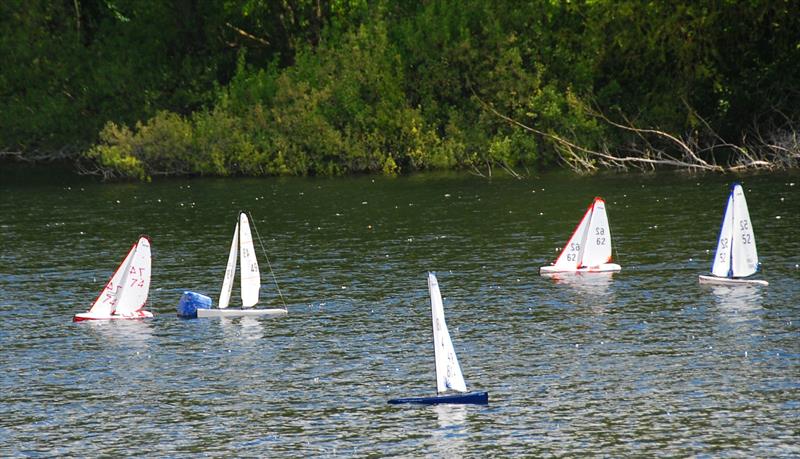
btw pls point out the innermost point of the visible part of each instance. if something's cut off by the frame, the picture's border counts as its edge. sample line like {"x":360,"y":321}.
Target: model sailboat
{"x":448,"y":372}
{"x":125,"y":294}
{"x":250,"y":276}
{"x":589,"y":248}
{"x":736,"y":256}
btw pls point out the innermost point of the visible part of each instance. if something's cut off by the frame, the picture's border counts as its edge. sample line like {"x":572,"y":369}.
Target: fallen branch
{"x":13,"y":154}
{"x":38,"y":156}
{"x":763,"y":154}
{"x":246,"y":34}
{"x":567,"y":150}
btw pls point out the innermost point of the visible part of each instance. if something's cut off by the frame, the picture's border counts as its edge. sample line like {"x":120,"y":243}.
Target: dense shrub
{"x":254,"y":87}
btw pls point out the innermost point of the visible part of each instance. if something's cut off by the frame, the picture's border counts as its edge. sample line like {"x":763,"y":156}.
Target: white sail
{"x":597,"y":243}
{"x":571,"y":255}
{"x":448,"y":372}
{"x":135,"y":280}
{"x":722,"y":257}
{"x":744,"y":258}
{"x":251,"y":277}
{"x":230,"y":271}
{"x":106,"y":302}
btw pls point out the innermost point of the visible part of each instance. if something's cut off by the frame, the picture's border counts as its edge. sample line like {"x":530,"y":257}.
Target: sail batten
{"x":448,"y":371}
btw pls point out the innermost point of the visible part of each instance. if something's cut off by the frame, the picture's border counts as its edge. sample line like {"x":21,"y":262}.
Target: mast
{"x":433,"y":332}
{"x":733,"y":230}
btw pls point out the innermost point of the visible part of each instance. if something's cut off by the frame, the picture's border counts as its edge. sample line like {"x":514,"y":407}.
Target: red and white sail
{"x":106,"y":302}
{"x":589,"y":247}
{"x":135,"y":280}
{"x":572,"y":253}
{"x":597,"y":241}
{"x":125,"y":294}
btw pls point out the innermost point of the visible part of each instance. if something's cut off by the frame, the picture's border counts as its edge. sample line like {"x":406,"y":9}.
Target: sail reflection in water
{"x":738,"y":300}
{"x":593,"y":289}
{"x":450,"y":416}
{"x":450,"y":439}
{"x":241,"y":328}
{"x":672,"y":368}
{"x":594,"y":283}
{"x":128,"y":334}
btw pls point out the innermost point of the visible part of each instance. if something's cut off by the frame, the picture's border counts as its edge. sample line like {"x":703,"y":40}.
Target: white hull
{"x":101,"y":316}
{"x":604,"y":268}
{"x":707,"y":279}
{"x":239,"y":312}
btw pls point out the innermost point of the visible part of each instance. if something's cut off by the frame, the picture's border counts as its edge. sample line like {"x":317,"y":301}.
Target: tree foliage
{"x":138,"y":88}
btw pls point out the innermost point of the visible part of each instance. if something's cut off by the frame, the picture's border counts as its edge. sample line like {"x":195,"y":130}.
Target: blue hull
{"x":472,"y":398}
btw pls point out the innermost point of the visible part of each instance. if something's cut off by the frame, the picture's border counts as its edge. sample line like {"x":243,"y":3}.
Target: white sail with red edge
{"x":135,"y":281}
{"x":125,"y":294}
{"x":589,"y":247}
{"x":572,"y":253}
{"x":597,"y":241}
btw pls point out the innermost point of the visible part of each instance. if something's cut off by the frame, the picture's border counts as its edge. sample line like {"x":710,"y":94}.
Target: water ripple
{"x":642,"y":362}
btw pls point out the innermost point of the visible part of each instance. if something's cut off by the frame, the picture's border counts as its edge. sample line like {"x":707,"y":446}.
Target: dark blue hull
{"x":472,"y":398}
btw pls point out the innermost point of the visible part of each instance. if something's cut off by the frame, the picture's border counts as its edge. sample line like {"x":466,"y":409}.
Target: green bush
{"x":305,"y":88}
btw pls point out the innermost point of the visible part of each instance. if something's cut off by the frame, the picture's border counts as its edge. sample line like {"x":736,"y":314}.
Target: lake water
{"x":645,"y":362}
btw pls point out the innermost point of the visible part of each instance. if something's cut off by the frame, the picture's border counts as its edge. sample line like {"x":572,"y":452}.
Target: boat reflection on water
{"x":245,"y":328}
{"x":591,"y":283}
{"x":449,"y":438}
{"x":594,"y":288}
{"x":737,"y":300}
{"x":450,"y":415}
{"x":130,"y":333}
{"x":251,"y":328}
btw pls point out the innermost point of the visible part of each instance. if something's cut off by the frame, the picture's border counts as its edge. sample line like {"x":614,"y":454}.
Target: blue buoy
{"x":189,"y":304}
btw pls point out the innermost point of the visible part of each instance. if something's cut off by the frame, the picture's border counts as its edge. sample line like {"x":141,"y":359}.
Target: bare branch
{"x":246,"y":34}
{"x":681,"y":145}
{"x":567,"y":148}
{"x":781,"y":150}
